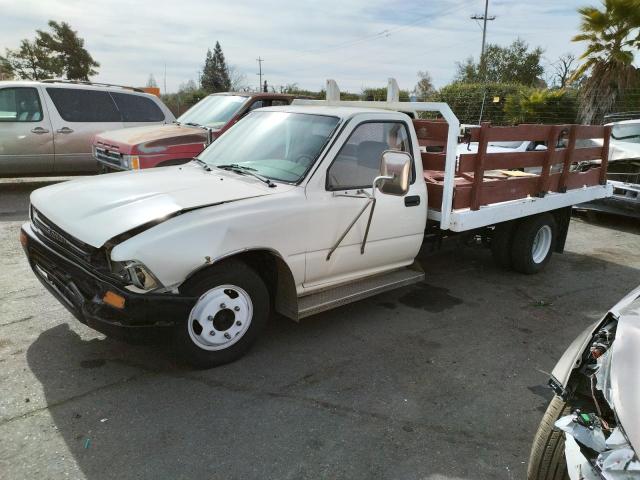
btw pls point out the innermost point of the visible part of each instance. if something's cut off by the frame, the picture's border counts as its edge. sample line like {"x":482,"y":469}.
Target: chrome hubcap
{"x":541,"y":244}
{"x":220,"y":318}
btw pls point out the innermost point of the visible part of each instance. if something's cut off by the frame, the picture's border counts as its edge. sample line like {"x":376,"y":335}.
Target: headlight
{"x":131,"y":162}
{"x":137,"y":274}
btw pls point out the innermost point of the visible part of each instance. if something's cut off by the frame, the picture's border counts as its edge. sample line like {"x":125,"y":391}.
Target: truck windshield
{"x":629,"y":132}
{"x":277,"y":145}
{"x":213,"y":111}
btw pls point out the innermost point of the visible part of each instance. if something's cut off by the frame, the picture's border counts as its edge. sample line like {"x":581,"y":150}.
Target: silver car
{"x":591,"y":429}
{"x":47,"y":127}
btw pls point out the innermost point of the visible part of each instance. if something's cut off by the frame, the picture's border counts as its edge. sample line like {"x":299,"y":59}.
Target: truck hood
{"x":152,"y":138}
{"x":96,"y":209}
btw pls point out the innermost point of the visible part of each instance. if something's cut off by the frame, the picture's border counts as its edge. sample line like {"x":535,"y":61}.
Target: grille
{"x":108,"y":156}
{"x":55,"y":235}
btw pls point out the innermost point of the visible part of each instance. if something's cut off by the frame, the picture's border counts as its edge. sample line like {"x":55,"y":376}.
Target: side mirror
{"x":395,"y":173}
{"x":540,"y":148}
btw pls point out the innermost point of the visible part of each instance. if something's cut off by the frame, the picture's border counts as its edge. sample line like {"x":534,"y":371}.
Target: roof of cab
{"x":334,"y":111}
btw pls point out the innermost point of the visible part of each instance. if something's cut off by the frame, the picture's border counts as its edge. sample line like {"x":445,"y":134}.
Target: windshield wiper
{"x":242,"y":170}
{"x":204,"y":164}
{"x":193,"y":124}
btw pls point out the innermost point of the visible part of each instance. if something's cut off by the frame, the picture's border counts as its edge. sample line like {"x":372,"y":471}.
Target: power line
{"x":383,"y":33}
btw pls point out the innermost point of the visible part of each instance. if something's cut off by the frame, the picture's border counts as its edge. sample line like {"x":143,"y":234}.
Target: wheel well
{"x":275,"y":274}
{"x":562,"y":217}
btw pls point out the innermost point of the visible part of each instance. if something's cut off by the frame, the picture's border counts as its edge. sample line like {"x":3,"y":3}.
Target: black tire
{"x":501,"y":241}
{"x":524,"y":236}
{"x":229,"y":272}
{"x":547,"y":461}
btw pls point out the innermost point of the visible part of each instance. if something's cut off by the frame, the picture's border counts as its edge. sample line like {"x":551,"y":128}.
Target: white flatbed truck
{"x":300,"y":209}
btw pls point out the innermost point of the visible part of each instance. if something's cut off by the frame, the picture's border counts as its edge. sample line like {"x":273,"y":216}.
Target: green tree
{"x":512,"y":64}
{"x":52,"y":54}
{"x":380,"y":94}
{"x":215,"y":74}
{"x":465,"y":99}
{"x":32,"y":61}
{"x":541,"y":106}
{"x":612,"y":35}
{"x":6,"y":70}
{"x":65,"y":44}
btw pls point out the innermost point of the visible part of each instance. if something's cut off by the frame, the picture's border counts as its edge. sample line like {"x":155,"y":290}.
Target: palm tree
{"x":613,"y":34}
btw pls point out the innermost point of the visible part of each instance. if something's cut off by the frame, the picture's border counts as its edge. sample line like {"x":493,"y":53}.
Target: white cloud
{"x":301,"y":42}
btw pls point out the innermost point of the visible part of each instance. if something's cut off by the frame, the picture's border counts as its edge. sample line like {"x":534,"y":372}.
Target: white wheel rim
{"x":541,"y":244}
{"x":220,"y":317}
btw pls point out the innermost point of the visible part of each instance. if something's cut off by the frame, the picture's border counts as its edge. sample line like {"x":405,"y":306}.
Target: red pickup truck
{"x":179,"y":142}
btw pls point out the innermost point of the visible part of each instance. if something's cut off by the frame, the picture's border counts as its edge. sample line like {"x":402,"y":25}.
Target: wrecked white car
{"x":591,"y":429}
{"x":624,"y":167}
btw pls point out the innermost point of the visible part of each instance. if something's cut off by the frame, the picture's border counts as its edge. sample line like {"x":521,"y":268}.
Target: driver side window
{"x":358,"y":161}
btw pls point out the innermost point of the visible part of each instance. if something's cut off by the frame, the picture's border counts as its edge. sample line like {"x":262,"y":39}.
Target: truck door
{"x":397,"y":224}
{"x":77,"y":114}
{"x":26,"y":141}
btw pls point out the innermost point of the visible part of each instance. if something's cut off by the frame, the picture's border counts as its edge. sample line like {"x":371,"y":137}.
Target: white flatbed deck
{"x":466,"y":219}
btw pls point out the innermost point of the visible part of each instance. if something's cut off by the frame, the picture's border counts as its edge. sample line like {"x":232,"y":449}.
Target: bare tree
{"x":425,"y":87}
{"x":563,"y":69}
{"x":237,"y":78}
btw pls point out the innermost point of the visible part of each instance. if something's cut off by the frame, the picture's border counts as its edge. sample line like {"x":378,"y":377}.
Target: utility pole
{"x":483,"y":71}
{"x":260,"y":60}
{"x":165,"y":78}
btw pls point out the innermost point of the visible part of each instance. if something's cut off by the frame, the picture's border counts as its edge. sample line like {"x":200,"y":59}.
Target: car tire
{"x":533,"y":243}
{"x":501,"y":241}
{"x":231,"y":311}
{"x":547,"y":460}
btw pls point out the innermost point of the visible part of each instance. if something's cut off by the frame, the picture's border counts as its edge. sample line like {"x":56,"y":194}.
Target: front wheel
{"x":232,"y":309}
{"x":547,"y":460}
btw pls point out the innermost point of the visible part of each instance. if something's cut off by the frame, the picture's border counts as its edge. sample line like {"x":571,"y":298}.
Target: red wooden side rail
{"x":478,"y":174}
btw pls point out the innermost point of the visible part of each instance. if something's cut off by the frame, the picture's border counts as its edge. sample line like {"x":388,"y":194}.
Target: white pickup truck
{"x":300,"y":209}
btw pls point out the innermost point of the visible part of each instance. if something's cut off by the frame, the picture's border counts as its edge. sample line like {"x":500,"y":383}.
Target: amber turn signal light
{"x":113,"y":299}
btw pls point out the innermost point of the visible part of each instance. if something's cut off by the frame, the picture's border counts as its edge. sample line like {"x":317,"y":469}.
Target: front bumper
{"x":81,"y":291}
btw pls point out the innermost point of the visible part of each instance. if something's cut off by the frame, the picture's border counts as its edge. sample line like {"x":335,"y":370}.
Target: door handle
{"x":412,"y":201}
{"x":39,"y":130}
{"x":65,"y":130}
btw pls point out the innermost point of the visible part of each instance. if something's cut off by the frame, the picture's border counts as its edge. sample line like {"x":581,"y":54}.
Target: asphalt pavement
{"x":441,"y":380}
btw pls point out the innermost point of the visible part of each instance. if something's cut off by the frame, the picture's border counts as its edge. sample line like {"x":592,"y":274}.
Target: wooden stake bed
{"x":482,"y":178}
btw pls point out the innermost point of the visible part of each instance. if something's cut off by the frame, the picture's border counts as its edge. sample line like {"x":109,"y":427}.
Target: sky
{"x":359,"y":43}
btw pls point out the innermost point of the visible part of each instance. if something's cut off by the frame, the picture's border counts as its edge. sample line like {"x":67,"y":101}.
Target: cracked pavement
{"x":444,"y":380}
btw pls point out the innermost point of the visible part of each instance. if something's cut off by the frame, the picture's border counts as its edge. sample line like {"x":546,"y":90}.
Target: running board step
{"x":351,"y":292}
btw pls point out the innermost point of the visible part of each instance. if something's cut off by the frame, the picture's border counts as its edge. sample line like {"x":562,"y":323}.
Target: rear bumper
{"x":81,"y":291}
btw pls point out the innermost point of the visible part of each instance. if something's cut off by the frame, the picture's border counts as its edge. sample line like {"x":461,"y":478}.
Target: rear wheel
{"x":533,"y":243}
{"x":547,"y":461}
{"x":232,"y":309}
